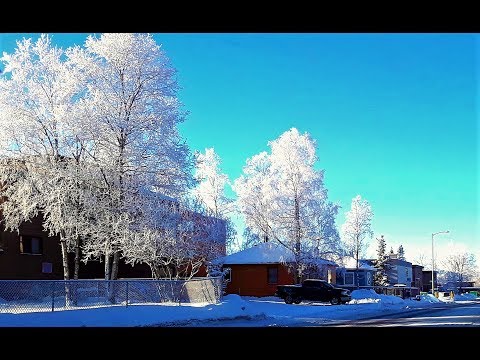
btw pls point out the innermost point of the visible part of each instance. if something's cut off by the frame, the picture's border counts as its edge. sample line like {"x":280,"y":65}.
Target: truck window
{"x":317,"y":284}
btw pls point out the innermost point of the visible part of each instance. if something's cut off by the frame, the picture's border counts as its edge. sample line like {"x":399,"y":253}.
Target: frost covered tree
{"x":357,"y":229}
{"x":460,"y":266}
{"x":423,"y":260}
{"x":282,"y":198}
{"x":178,"y":241}
{"x":380,"y":263}
{"x":38,"y":97}
{"x":89,"y":132}
{"x":133,"y":112}
{"x":212,"y":183}
{"x":211,"y":187}
{"x":401,"y":253}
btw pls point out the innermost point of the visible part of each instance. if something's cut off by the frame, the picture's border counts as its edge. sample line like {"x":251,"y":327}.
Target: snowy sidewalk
{"x":364,"y":304}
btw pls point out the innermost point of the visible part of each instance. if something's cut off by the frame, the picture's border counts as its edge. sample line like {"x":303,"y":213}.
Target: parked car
{"x":313,"y":290}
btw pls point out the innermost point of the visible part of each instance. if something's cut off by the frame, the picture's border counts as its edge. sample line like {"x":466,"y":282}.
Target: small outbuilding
{"x":258,"y":270}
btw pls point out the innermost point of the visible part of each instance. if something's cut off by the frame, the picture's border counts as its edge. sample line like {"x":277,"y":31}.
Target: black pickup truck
{"x":313,"y":290}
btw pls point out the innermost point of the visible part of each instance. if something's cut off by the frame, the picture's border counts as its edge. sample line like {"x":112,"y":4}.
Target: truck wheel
{"x":288,"y":299}
{"x":297,"y":300}
{"x":335,"y":301}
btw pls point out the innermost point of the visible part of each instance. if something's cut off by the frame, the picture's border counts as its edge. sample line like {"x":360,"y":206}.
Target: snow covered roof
{"x":264,"y":253}
{"x":350,"y":263}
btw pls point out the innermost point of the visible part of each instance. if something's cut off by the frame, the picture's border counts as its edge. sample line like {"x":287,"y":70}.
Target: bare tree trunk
{"x":153,"y":268}
{"x":66,"y":271}
{"x":356,"y":268}
{"x":107,"y":265}
{"x":115,"y":264}
{"x":297,"y":242}
{"x":63,"y":244}
{"x":76,"y":270}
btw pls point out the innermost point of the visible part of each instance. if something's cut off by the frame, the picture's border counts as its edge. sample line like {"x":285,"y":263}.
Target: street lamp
{"x":433,"y":262}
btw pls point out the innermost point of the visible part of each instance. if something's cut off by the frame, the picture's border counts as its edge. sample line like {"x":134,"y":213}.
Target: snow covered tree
{"x":401,"y":253}
{"x":461,"y":266}
{"x":391,"y":252}
{"x":423,"y":260}
{"x":89,"y":132}
{"x":357,"y":229}
{"x":282,"y":198}
{"x":210,"y":191}
{"x":380,"y":263}
{"x":133,"y":111}
{"x":253,"y":200}
{"x":178,"y":241}
{"x":38,"y":96}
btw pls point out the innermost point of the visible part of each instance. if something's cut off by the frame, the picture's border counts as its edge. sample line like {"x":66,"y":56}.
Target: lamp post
{"x":433,"y":262}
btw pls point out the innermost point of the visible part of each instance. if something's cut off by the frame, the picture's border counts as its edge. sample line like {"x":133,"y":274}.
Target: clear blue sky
{"x":395,"y":117}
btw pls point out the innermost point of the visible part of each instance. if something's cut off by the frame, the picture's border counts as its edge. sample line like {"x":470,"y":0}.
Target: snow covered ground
{"x":364,"y":303}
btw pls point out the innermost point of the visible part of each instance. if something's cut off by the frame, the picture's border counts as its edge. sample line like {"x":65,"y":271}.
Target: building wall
{"x":404,"y":274}
{"x":427,"y":280}
{"x":417,"y":277}
{"x":365,"y":277}
{"x":399,"y":271}
{"x":15,"y":265}
{"x":252,"y":280}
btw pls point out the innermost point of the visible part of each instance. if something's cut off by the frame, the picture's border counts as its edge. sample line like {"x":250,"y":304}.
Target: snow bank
{"x":429,"y":298}
{"x":364,"y":294}
{"x":233,"y":306}
{"x":464,"y":297}
{"x":370,"y":296}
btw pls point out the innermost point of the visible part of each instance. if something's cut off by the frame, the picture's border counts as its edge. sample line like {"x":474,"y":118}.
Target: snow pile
{"x":429,"y":298}
{"x":364,"y":296}
{"x":464,"y":297}
{"x":391,"y":299}
{"x":234,"y":306}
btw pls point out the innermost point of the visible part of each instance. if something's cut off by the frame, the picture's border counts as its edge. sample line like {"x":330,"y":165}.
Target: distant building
{"x":347,"y":272}
{"x":399,"y":271}
{"x":417,"y":276}
{"x":427,"y":280}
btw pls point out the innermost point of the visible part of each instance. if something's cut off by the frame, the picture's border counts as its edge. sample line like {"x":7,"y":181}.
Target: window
{"x":30,"y":245}
{"x":272,"y":275}
{"x":227,"y":274}
{"x":348,"y":278}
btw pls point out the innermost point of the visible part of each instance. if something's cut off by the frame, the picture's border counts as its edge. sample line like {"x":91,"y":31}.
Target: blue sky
{"x":394,"y":116}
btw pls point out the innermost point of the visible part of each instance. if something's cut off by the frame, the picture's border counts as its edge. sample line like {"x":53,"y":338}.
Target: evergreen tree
{"x":391,"y":251}
{"x":380,"y":277}
{"x":401,"y":253}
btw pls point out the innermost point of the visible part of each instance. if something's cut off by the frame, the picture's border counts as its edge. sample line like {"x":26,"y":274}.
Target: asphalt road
{"x":446,"y":315}
{"x":442,"y":315}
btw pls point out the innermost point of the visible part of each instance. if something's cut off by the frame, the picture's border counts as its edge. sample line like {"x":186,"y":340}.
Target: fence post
{"x":126,"y":301}
{"x":53,"y":296}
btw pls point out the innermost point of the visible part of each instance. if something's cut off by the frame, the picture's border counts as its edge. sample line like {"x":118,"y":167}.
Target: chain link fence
{"x":21,"y":296}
